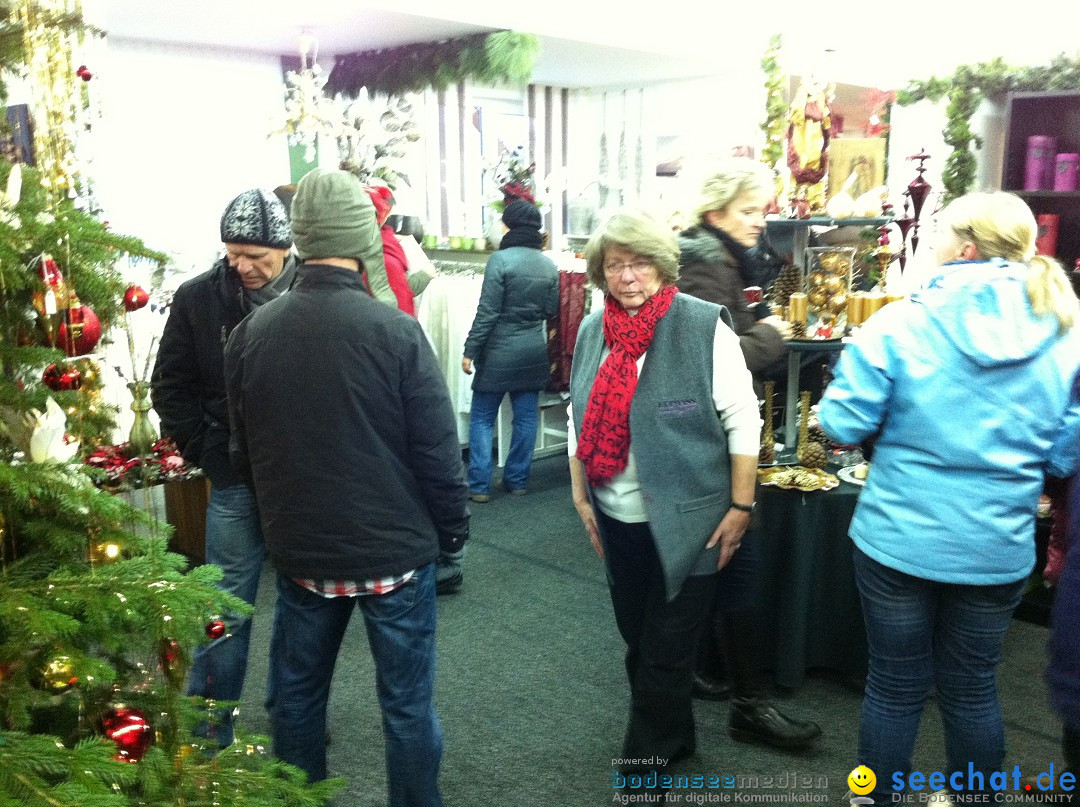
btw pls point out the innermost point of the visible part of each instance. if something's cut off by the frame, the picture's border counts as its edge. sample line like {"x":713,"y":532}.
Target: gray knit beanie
{"x":333,"y":217}
{"x":256,"y":217}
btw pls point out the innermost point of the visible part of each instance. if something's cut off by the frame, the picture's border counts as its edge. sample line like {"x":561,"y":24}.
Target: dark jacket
{"x":188,"y":382}
{"x":508,"y":338}
{"x":1063,"y":672}
{"x":708,"y":271}
{"x":342,"y":417}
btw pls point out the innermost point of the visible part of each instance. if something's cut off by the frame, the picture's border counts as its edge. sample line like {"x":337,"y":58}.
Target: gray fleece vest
{"x":676,"y":435}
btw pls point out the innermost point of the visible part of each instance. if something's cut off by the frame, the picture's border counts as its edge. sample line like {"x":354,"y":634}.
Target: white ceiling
{"x":604,"y":43}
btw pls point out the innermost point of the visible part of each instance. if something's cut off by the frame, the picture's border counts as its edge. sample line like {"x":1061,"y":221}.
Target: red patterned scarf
{"x":604,"y":442}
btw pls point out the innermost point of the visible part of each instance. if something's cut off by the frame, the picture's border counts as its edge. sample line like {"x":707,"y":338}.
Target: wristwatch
{"x":746,"y":508}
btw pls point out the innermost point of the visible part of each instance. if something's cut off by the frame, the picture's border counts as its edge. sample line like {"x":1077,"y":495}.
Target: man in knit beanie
{"x":188,"y":388}
{"x":343,"y":422}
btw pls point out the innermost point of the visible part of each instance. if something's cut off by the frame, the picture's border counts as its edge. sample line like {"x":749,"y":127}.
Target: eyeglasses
{"x":638,"y":267}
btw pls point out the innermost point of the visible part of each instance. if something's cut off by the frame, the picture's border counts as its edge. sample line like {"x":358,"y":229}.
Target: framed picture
{"x":860,"y":159}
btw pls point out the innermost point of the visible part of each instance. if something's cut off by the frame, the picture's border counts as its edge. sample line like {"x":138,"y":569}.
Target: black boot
{"x":754,"y":717}
{"x":706,"y":688}
{"x":761,"y":722}
{"x":1070,"y":745}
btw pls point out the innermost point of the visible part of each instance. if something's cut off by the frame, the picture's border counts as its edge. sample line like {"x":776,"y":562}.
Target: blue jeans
{"x":234,"y":541}
{"x":925,"y":634}
{"x":308,"y":630}
{"x":485,"y":408}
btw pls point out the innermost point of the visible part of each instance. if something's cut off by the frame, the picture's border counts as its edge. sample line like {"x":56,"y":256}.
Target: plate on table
{"x":796,"y":477}
{"x":848,"y":475}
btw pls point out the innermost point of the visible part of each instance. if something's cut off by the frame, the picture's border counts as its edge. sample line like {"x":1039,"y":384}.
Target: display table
{"x":811,"y":609}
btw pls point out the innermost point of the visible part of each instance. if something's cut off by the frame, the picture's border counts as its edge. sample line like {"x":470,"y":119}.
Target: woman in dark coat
{"x":508,"y":346}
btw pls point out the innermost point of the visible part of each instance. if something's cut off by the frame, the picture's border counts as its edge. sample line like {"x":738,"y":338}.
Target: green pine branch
{"x":965,"y":90}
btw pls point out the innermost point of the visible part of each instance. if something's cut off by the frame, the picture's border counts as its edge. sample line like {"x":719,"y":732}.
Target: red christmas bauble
{"x":131,"y":732}
{"x":86,"y":75}
{"x":172,"y":659}
{"x":135,"y":298}
{"x":85,"y":328}
{"x":215,"y":629}
{"x":61,"y":378}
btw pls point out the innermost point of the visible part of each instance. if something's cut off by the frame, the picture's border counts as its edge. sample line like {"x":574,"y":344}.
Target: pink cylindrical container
{"x":1039,"y":168}
{"x":1066,"y":172}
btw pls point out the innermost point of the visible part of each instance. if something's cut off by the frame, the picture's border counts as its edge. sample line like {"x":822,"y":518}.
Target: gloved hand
{"x":451,"y":542}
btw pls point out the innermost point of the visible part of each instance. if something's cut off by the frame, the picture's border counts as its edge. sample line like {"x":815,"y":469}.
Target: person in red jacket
{"x":397,"y":265}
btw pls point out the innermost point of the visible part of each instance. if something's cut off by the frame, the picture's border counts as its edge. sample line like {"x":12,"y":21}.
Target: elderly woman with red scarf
{"x":663,"y":457}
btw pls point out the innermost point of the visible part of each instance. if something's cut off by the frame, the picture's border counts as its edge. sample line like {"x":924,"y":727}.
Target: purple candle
{"x":1039,"y":168}
{"x":1066,"y":172}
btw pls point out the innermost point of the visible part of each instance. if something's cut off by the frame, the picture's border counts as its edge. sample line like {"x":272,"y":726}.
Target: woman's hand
{"x":729,"y":535}
{"x":466,"y":365}
{"x":588,"y":518}
{"x":579,"y":491}
{"x":781,"y":325}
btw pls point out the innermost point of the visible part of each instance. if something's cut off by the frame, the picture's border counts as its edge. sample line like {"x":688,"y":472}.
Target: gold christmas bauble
{"x":816,"y":278}
{"x":59,"y":674}
{"x":817,"y":298}
{"x":833,"y":284}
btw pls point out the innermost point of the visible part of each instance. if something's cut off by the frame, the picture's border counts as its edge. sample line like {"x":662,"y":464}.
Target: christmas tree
{"x":97,"y":618}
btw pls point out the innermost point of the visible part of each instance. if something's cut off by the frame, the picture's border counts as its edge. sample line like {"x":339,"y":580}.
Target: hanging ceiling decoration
{"x":503,"y":57}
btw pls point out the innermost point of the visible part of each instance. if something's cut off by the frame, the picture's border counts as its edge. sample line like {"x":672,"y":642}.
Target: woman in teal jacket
{"x":969,"y":389}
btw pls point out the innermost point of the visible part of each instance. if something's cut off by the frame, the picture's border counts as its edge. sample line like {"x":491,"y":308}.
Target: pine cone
{"x":787,"y":283}
{"x":812,"y":455}
{"x":767,"y":454}
{"x":817,"y":434}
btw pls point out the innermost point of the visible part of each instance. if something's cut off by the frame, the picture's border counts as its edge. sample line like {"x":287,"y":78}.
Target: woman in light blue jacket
{"x":970,"y":389}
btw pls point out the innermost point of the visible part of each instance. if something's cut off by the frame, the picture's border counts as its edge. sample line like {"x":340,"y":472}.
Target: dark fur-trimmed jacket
{"x":708,"y":271}
{"x":188,"y":382}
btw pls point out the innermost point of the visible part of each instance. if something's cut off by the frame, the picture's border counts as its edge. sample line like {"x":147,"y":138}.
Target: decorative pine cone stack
{"x":767,"y":452}
{"x":787,"y":283}
{"x":810,"y":453}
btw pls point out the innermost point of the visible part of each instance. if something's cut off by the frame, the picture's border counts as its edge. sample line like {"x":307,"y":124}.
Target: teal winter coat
{"x":972,"y":398}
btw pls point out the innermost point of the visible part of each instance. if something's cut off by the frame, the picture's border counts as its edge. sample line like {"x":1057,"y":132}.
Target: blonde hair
{"x":730,"y":180}
{"x":638,"y":232}
{"x":1001,"y":225}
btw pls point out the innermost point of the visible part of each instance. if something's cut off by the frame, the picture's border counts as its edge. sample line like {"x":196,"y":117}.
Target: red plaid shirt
{"x":353,"y":588}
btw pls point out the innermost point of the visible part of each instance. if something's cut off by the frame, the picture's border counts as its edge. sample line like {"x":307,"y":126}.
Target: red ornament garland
{"x":61,"y":378}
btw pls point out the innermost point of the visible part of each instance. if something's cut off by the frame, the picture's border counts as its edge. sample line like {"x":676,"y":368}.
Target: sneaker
{"x":480,"y":498}
{"x":515,"y":491}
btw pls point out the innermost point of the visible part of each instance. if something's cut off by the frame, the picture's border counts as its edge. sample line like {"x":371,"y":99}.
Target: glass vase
{"x":142,"y":436}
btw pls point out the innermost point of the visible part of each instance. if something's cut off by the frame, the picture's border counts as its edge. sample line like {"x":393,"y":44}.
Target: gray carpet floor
{"x":532,"y":694}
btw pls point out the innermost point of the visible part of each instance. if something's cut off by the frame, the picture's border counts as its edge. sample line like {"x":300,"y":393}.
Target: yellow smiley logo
{"x":861,"y":780}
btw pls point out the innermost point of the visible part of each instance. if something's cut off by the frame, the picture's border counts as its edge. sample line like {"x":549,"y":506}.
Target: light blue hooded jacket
{"x":973,"y":399}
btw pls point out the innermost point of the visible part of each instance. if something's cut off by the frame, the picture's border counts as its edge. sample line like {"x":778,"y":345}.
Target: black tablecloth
{"x":812,"y":615}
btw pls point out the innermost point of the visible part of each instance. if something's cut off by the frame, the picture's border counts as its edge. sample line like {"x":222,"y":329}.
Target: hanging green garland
{"x":966,"y":89}
{"x":775,"y":123}
{"x":504,"y":57}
